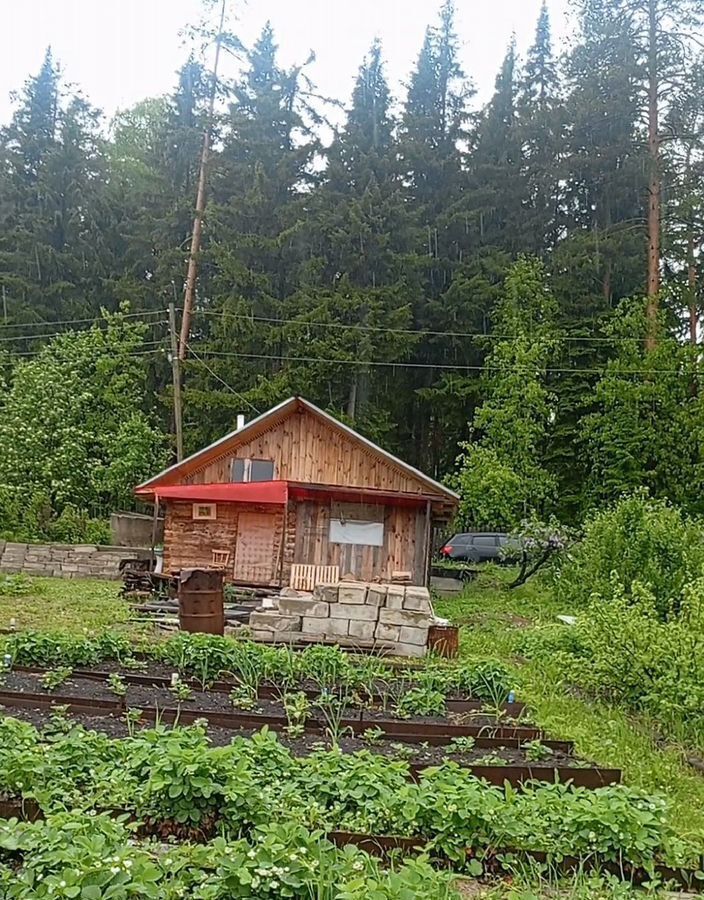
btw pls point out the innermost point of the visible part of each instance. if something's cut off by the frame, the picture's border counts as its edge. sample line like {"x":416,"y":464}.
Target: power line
{"x":157,"y":345}
{"x":222,"y":381}
{"x":94,"y":320}
{"x":409,"y":331}
{"x":414,"y":365}
{"x":56,"y":334}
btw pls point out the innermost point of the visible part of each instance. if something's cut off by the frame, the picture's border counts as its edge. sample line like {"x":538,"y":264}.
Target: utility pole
{"x":192,"y":274}
{"x":176,"y":378}
{"x":4,"y":304}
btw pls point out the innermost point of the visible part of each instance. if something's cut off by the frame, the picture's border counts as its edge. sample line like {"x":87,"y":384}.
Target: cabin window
{"x":252,"y":470}
{"x":204,"y":511}
{"x":350,"y":531}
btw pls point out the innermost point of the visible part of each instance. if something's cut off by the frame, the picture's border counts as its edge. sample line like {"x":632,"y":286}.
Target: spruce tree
{"x":55,"y":221}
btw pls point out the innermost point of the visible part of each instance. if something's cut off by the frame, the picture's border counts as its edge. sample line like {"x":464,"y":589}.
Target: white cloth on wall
{"x":370,"y":534}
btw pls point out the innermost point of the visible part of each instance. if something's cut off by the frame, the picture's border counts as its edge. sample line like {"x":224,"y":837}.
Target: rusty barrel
{"x":444,"y":640}
{"x":200,"y":601}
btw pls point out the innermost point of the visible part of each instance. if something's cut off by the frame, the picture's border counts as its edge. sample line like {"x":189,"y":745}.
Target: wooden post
{"x":155,"y":523}
{"x":428,"y":547}
{"x":176,"y":379}
{"x":191,"y":275}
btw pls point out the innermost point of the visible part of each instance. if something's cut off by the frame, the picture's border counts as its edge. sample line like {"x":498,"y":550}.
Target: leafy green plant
{"x":373,"y":736}
{"x":463,"y":744}
{"x":54,"y":678}
{"x":636,"y":541}
{"x":18,"y":585}
{"x":297,"y":708}
{"x":242,"y":697}
{"x":490,"y":759}
{"x":333,"y":706}
{"x":181,"y":691}
{"x":420,"y":701}
{"x":328,"y":667}
{"x":117,"y":685}
{"x":536,"y":751}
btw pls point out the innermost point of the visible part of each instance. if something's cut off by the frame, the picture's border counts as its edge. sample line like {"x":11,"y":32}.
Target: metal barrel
{"x":444,"y":640}
{"x":201,"y":601}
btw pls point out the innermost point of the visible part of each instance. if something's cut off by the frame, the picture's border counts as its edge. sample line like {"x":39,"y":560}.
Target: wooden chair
{"x":221,"y":559}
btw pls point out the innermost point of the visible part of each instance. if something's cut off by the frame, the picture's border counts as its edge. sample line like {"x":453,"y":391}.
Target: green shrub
{"x":16,"y":586}
{"x":638,"y":539}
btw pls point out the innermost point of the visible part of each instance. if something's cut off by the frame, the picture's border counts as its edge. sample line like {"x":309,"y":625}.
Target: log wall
{"x":189,"y":542}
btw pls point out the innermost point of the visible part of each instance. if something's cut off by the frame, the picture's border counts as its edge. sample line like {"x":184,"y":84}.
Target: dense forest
{"x":508,"y":296}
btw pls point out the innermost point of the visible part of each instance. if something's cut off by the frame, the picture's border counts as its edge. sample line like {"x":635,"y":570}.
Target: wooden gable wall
{"x":308,"y":449}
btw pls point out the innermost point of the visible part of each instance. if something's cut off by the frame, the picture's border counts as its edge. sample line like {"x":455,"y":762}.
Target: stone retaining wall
{"x":389,"y":614}
{"x":65,"y":560}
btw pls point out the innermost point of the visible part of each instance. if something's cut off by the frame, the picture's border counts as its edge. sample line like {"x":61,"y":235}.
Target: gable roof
{"x":279,"y":413}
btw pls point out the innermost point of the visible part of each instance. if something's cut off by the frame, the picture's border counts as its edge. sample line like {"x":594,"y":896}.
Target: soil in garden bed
{"x":162,"y":673}
{"x":142,"y":696}
{"x":415,"y":754}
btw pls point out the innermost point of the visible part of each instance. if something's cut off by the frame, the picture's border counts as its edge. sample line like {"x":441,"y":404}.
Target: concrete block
{"x":410,"y":635}
{"x":356,"y":611}
{"x":84,"y":548}
{"x":418,"y":604}
{"x":387,"y":632}
{"x":409,"y":650}
{"x":311,"y":625}
{"x":352,"y":593}
{"x":417,"y":598}
{"x":275,"y":620}
{"x":395,"y":594}
{"x":364,"y":631}
{"x":329,"y":627}
{"x":297,"y":606}
{"x":403,"y":617}
{"x":376,"y":595}
{"x":326,"y":592}
{"x":393,"y":601}
{"x":11,"y":545}
{"x":262,"y":634}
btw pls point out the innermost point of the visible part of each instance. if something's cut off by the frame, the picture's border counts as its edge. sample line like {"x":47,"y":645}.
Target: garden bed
{"x":497,"y":759}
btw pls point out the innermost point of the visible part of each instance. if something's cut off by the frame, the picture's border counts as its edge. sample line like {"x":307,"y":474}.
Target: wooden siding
{"x":404,"y":547}
{"x":189,"y":543}
{"x":308,"y":449}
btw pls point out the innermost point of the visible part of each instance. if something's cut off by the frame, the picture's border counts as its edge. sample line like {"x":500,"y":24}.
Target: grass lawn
{"x":58,"y":604}
{"x":494,"y":618}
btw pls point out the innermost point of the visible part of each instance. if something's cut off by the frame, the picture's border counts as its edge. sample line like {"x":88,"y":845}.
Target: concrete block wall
{"x":65,"y":560}
{"x":351,"y":611}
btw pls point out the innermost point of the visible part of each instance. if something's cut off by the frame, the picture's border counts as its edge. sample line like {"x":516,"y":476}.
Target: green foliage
{"x":647,"y":425}
{"x":180,"y":785}
{"x":500,"y":477}
{"x":635,"y":541}
{"x":88,"y":443}
{"x":420,"y":701}
{"x":15,"y":585}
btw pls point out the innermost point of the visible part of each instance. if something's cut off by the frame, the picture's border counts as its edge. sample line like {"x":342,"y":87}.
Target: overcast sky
{"x":120,"y":51}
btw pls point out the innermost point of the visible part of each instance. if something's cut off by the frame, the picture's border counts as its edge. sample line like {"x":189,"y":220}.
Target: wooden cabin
{"x":294,"y":497}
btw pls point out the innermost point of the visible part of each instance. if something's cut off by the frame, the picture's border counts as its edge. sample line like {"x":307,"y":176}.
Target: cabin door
{"x":255,"y":550}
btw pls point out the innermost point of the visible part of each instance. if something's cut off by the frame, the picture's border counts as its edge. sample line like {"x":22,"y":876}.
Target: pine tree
{"x":54,"y":247}
{"x":499,"y":184}
{"x":539,"y":119}
{"x":363,"y":232}
{"x":253,"y":243}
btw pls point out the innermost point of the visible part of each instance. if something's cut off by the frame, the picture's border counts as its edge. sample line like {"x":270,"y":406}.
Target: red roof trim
{"x":268,"y":492}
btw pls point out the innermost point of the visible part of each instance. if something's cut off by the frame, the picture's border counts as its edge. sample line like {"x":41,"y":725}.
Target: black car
{"x":481,"y":546}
